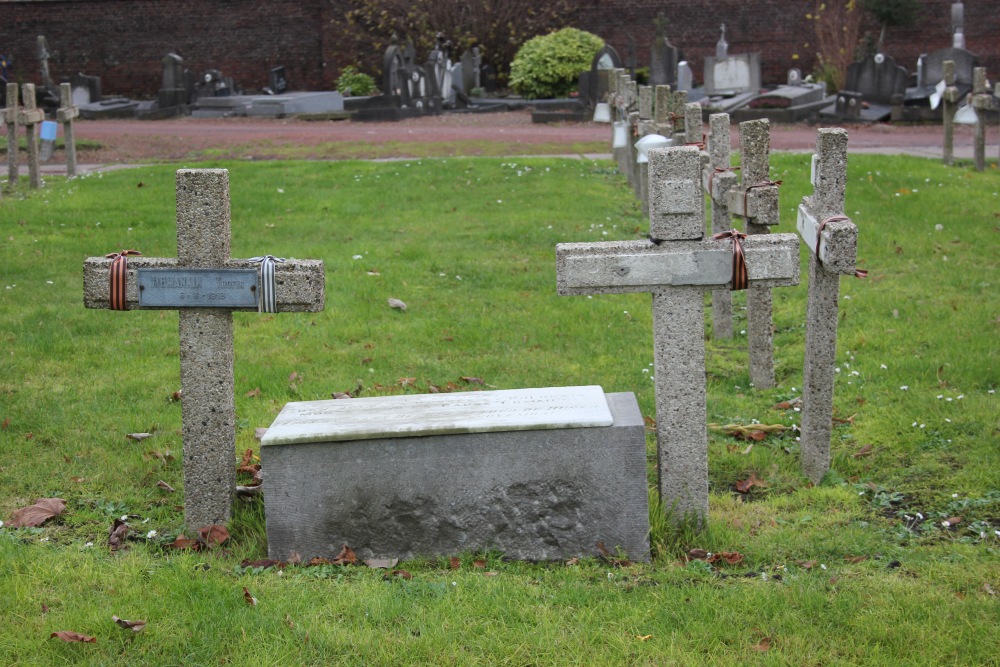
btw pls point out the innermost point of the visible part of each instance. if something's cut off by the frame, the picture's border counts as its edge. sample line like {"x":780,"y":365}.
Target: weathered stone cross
{"x":30,"y":116}
{"x":65,"y":115}
{"x":718,"y":179}
{"x":949,"y":102}
{"x":10,"y":119}
{"x":206,"y":286}
{"x":677,"y":269}
{"x":833,"y":240}
{"x":757,"y":201}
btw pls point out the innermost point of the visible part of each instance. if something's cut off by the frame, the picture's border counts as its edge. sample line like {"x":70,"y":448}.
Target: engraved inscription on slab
{"x":197,"y":288}
{"x":439,"y":414}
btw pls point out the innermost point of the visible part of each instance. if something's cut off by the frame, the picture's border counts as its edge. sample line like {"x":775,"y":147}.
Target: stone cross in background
{"x":949,"y":100}
{"x":206,"y":328}
{"x":718,"y":179}
{"x":757,"y":201}
{"x":677,"y":268}
{"x":10,"y":118}
{"x":981,"y":102}
{"x":644,"y":128}
{"x":30,"y":116}
{"x":65,"y":115}
{"x":833,"y":240}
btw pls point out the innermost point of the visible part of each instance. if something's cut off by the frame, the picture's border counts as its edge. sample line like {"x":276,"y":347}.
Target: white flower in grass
{"x":884,"y":367}
{"x":905,"y":387}
{"x":357,"y":257}
{"x":151,"y":534}
{"x":124,"y":517}
{"x":822,"y":566}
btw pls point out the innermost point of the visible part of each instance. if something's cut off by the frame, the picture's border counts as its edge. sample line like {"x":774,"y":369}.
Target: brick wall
{"x":123,"y":41}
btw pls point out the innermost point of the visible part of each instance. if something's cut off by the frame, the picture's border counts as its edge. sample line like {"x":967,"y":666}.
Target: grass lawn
{"x":860,"y":569}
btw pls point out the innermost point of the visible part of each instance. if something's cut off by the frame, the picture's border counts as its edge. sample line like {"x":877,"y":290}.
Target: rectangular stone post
{"x":632,"y":168}
{"x":757,"y":201}
{"x":833,"y":240}
{"x":661,"y":111}
{"x":676,"y":264}
{"x":202,"y":280}
{"x":645,"y":127}
{"x":10,"y":118}
{"x":718,"y":179}
{"x":29,"y":117}
{"x":678,"y":132}
{"x":692,"y":124}
{"x":981,"y":102}
{"x":65,"y":115}
{"x":949,"y":101}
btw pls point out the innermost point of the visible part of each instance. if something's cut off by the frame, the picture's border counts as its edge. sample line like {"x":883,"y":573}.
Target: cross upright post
{"x":949,"y":100}
{"x":645,"y":127}
{"x":718,"y":178}
{"x":65,"y":115}
{"x":757,"y":201}
{"x":833,"y":240}
{"x":10,"y":118}
{"x":206,"y":286}
{"x":30,"y":116}
{"x":678,"y":100}
{"x":677,"y":264}
{"x":981,"y":103}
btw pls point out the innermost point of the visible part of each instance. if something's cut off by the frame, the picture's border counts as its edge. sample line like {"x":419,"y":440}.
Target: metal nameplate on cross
{"x":677,"y":265}
{"x":201,"y":284}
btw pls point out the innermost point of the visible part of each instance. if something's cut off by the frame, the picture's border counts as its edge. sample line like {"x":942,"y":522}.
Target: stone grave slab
{"x":537,"y":474}
{"x":733,"y":74}
{"x":278,"y":106}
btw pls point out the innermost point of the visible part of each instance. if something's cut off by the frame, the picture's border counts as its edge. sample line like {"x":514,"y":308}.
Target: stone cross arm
{"x":299,"y":283}
{"x":836,"y":246}
{"x":759,"y":203}
{"x":618,"y":267}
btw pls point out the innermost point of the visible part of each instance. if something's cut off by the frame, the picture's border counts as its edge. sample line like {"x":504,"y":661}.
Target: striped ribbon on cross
{"x":858,"y":273}
{"x":763,"y":184}
{"x":266,"y":301}
{"x":118,"y":279}
{"x":740,"y":279}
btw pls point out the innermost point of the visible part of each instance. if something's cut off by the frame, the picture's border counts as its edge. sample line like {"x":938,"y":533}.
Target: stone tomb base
{"x":552,"y":491}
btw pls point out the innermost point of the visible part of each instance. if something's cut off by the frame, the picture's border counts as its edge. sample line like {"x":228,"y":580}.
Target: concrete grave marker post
{"x":718,"y":179}
{"x":644,"y":127}
{"x":677,"y":267}
{"x":65,"y":115}
{"x":661,"y":113}
{"x":206,"y":286}
{"x":981,"y":103}
{"x":10,"y":118}
{"x":833,"y":240}
{"x":677,"y":114}
{"x":757,"y":201}
{"x":949,"y":101}
{"x":30,"y":116}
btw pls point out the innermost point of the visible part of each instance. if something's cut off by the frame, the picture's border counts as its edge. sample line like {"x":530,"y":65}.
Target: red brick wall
{"x":123,"y":41}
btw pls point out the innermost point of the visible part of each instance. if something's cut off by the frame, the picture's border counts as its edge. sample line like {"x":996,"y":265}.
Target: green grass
{"x":468,"y":244}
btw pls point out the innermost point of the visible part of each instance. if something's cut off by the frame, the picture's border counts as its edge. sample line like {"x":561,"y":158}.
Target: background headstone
{"x":663,"y":57}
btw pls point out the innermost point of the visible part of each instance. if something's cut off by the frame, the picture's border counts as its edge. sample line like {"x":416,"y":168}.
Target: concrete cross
{"x":30,"y":116}
{"x":644,"y":127}
{"x":65,"y":115}
{"x":833,"y":240}
{"x":677,"y":269}
{"x":982,"y":102}
{"x":718,"y":179}
{"x":10,"y":119}
{"x":949,"y":102}
{"x":757,"y":201}
{"x":206,"y":328}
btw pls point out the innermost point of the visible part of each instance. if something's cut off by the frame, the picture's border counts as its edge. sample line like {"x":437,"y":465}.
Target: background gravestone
{"x":663,"y":57}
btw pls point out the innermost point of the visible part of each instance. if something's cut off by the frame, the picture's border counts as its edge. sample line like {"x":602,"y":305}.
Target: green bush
{"x":550,"y":65}
{"x":353,"y":82}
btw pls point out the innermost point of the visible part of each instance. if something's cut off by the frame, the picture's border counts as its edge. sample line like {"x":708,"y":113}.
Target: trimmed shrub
{"x":550,"y":65}
{"x":353,"y":82}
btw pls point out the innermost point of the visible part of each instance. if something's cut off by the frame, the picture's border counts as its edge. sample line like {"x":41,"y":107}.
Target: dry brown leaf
{"x":854,"y":560}
{"x":339,"y":394}
{"x":185,"y":543}
{"x":407,"y":382}
{"x":471,"y":380}
{"x":454,"y":562}
{"x":763,"y":645}
{"x":955,"y":520}
{"x":70,"y":636}
{"x":78,"y":480}
{"x":253,"y":393}
{"x":37,"y":514}
{"x":480,"y":563}
{"x":381,"y":563}
{"x":806,"y":564}
{"x":864,"y":451}
{"x":319,"y":560}
{"x":573,"y":561}
{"x":346,"y":556}
{"x":134,"y":626}
{"x":259,"y":432}
{"x":294,"y":377}
{"x":117,"y":534}
{"x":166,"y":487}
{"x":247,"y":458}
{"x":789,"y":404}
{"x":989,"y":590}
{"x":213,"y":535}
{"x":697,"y":554}
{"x":644,"y":638}
{"x":744,"y":486}
{"x":249,"y":599}
{"x":5,"y":425}
{"x":403,"y":574}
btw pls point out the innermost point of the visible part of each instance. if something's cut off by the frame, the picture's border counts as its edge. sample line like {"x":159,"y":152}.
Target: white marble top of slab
{"x":439,"y":414}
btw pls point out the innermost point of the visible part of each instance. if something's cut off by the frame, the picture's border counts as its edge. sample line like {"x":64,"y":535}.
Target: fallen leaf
{"x":117,"y":534}
{"x":789,"y":404}
{"x":397,"y":304}
{"x":763,"y":645}
{"x":864,"y":451}
{"x":573,"y":561}
{"x":247,"y":459}
{"x":166,"y":487}
{"x":140,"y":184}
{"x":45,"y":608}
{"x":213,"y":535}
{"x":731,"y":557}
{"x":644,"y":638}
{"x":472,"y":380}
{"x":5,"y":425}
{"x":747,"y":484}
{"x":953,"y":521}
{"x":407,"y":382}
{"x":373,"y":272}
{"x":176,"y":396}
{"x":339,"y":394}
{"x":253,"y":393}
{"x":480,"y":563}
{"x":989,"y":590}
{"x":249,"y":599}
{"x":69,"y":636}
{"x":854,"y":560}
{"x":294,"y":377}
{"x":697,"y":554}
{"x":381,"y":563}
{"x":318,"y":560}
{"x":29,"y":436}
{"x":806,"y":564}
{"x":346,"y":556}
{"x":185,"y":543}
{"x":402,"y":574}
{"x":134,"y":626}
{"x":77,"y":480}
{"x":849,"y":420}
{"x":649,"y":422}
{"x":455,"y":562}
{"x":37,"y":514}
{"x":258,"y":433}
{"x":431,"y":389}
{"x":611,"y":560}
{"x":139,"y":437}
{"x":489,"y":574}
